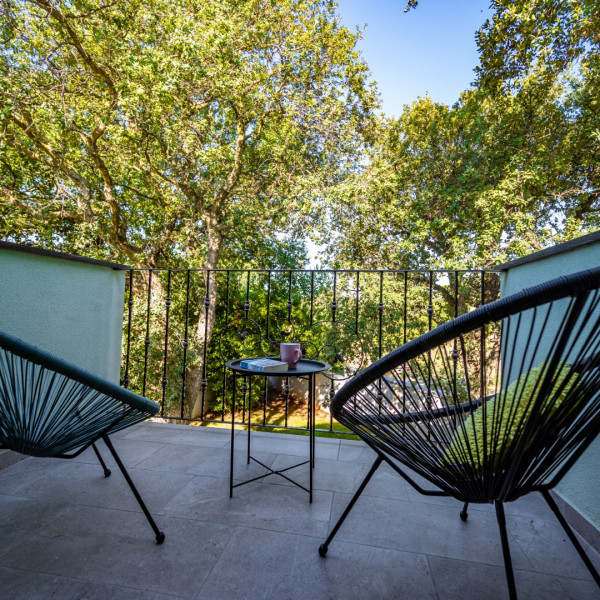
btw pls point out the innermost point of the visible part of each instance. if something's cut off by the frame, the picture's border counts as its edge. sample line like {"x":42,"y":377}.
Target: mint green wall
{"x":71,"y":309}
{"x":581,"y":486}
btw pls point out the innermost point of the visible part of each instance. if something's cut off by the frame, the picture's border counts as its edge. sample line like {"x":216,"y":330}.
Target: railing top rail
{"x":284,"y":270}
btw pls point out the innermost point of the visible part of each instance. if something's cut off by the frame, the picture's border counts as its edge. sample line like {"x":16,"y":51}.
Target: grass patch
{"x":272,"y":418}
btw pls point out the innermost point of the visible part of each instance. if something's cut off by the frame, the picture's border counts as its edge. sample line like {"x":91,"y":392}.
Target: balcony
{"x":70,"y":533}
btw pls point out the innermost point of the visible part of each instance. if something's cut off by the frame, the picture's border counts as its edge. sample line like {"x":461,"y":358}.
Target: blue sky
{"x":430,"y":49}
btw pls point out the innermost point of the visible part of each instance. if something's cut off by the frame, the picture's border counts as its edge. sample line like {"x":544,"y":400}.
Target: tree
{"x":511,"y":168}
{"x":149,"y":130}
{"x":543,"y":56}
{"x":177,"y":131}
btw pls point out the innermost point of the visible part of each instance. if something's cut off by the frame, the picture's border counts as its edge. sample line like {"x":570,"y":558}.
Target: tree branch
{"x":83,"y":53}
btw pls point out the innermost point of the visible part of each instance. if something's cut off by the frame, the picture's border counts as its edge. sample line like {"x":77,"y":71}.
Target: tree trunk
{"x":196,"y":396}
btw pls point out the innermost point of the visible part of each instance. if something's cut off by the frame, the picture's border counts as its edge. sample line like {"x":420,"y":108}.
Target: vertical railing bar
{"x":380,"y":317}
{"x":404,"y":336}
{"x":286,"y":395}
{"x":147,"y":340}
{"x":247,"y":302}
{"x":482,"y":350}
{"x":455,"y":294}
{"x":269,"y":342}
{"x":289,"y":304}
{"x":404,"y":339}
{"x":357,"y":301}
{"x":166,"y":346}
{"x":430,"y":306}
{"x":223,"y":407}
{"x":204,"y":382}
{"x":455,"y":344}
{"x":268,"y":311}
{"x":429,"y":324}
{"x":287,"y":380}
{"x":129,"y":314}
{"x":380,"y":336}
{"x":330,"y":415}
{"x":186,"y":341}
{"x":249,"y":418}
{"x":244,"y":392}
{"x":265,"y":400}
{"x":308,"y":411}
{"x":312,"y":296}
{"x":334,"y":302}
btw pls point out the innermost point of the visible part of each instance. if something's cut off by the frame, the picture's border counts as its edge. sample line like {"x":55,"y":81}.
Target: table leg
{"x":249,"y":417}
{"x":311,"y":433}
{"x":314,"y":416}
{"x":232,"y":436}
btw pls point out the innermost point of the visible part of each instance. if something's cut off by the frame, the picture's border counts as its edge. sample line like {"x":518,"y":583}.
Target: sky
{"x":430,"y":49}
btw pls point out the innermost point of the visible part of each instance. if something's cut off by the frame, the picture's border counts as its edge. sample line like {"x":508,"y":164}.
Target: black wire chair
{"x":52,"y":408}
{"x":496,"y":404}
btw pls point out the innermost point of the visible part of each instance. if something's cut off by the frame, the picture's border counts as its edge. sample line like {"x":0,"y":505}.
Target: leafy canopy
{"x":512,"y":167}
{"x":174,"y":130}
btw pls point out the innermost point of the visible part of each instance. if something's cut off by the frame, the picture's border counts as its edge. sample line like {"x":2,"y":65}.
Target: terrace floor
{"x":67,"y":532}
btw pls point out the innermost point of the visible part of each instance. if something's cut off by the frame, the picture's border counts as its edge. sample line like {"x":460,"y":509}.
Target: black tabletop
{"x":305,"y":366}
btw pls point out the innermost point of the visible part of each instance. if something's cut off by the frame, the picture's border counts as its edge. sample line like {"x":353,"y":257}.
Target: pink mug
{"x":290,"y":353}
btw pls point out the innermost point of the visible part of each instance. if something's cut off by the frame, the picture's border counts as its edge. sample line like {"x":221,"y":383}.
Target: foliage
{"x":221,"y":134}
{"x":165,"y":131}
{"x":176,"y":132}
{"x":348,"y":319}
{"x":509,"y":169}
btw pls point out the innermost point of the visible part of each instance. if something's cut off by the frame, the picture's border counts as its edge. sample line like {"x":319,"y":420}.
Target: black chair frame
{"x":555,"y":324}
{"x":52,"y":408}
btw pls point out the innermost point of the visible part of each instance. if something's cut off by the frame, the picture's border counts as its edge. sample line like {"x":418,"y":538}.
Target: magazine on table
{"x":263,"y":364}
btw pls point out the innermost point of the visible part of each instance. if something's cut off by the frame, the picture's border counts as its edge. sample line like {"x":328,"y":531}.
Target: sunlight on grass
{"x":296,"y":421}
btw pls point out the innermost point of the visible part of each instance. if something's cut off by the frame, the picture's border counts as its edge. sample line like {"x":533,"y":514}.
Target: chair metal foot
{"x":323,"y":547}
{"x":160,"y":536}
{"x":107,"y":471}
{"x":464,"y":515}
{"x":510,"y":576}
{"x":586,"y":559}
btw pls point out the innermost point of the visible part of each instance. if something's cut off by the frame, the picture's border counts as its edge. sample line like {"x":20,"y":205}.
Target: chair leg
{"x":324,"y":546}
{"x":107,"y":471}
{"x":510,"y":577}
{"x":464,"y":515}
{"x":588,"y":563}
{"x":160,"y":536}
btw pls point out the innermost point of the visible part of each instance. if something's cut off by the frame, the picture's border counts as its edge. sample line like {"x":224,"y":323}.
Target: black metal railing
{"x":181,"y":325}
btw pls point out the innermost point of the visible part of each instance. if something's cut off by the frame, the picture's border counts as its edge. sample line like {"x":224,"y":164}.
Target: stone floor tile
{"x":272,"y":507}
{"x":117,"y":547}
{"x":131,"y":452}
{"x":425,"y":529}
{"x":331,"y":475}
{"x":550,"y":551}
{"x":182,"y":434}
{"x":82,"y":483}
{"x":69,"y":532}
{"x":25,"y":584}
{"x":295,"y":445}
{"x":295,"y":571}
{"x":458,"y":580}
{"x":21,"y":519}
{"x":209,"y":461}
{"x":26,"y":472}
{"x":356,"y":451}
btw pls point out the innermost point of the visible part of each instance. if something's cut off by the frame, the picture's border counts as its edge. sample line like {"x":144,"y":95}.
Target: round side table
{"x":305,"y":369}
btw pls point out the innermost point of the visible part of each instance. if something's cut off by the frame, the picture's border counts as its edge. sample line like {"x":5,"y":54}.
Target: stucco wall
{"x":70,"y":308}
{"x":581,"y":486}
